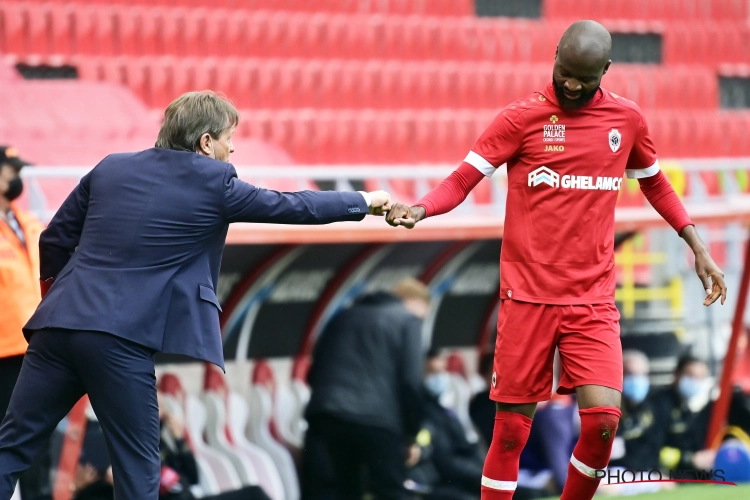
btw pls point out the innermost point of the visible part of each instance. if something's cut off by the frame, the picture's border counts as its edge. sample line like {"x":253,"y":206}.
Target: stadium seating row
{"x":367,"y":136}
{"x":77,"y":29}
{"x":293,"y":83}
{"x":567,"y":9}
{"x":646,"y":9}
{"x":420,"y":7}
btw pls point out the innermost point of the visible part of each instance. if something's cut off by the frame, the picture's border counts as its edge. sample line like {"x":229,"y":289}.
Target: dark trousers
{"x":118,"y":375}
{"x":10,"y":367}
{"x":340,"y":456}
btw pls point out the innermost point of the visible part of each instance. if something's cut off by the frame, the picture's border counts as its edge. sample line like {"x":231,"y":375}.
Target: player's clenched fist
{"x":404,"y":215}
{"x":380,"y":202}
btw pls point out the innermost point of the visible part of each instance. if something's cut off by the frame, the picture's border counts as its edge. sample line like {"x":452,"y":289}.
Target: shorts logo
{"x":543,"y":175}
{"x":554,"y":132}
{"x":494,"y":379}
{"x":615,"y":139}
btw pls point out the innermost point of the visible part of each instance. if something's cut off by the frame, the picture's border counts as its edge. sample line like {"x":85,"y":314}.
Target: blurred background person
{"x":636,"y":446}
{"x":19,"y":290}
{"x":450,"y":466}
{"x":366,"y":404}
{"x":482,"y":408}
{"x":179,"y":468}
{"x":683,"y":410}
{"x":19,"y":271}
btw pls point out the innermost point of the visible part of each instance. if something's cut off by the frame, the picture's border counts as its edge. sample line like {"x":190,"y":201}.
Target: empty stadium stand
{"x":384,"y":81}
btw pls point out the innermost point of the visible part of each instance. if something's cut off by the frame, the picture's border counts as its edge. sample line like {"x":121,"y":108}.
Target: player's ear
{"x":205,"y":145}
{"x":557,"y":49}
{"x":606,"y":67}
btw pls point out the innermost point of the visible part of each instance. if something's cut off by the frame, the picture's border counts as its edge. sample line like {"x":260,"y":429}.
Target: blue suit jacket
{"x":135,"y":249}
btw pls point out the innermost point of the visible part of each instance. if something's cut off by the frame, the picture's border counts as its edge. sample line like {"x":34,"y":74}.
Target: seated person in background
{"x":179,"y":470}
{"x":482,"y":409}
{"x":683,"y":411}
{"x":544,"y":460}
{"x":450,"y":467}
{"x":636,"y":446}
{"x":639,"y":434}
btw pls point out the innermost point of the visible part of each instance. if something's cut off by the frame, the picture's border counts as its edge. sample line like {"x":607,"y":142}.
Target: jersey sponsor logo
{"x":549,"y":147}
{"x":615,"y":139}
{"x":544,"y":175}
{"x":554,"y":132}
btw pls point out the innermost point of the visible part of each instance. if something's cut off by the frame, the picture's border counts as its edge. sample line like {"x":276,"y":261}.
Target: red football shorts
{"x":587,"y":336}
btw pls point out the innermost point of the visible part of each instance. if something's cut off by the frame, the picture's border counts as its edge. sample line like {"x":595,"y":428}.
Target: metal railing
{"x":46,"y":183}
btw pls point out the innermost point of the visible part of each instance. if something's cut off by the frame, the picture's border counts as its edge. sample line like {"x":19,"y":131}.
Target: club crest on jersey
{"x":555,"y":132}
{"x":615,"y":139}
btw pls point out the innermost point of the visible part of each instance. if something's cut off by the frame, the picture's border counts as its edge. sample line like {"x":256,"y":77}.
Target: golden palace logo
{"x":554,"y":132}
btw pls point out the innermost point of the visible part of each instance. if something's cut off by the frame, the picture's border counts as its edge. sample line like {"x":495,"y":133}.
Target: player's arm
{"x":58,"y":242}
{"x":643,"y":165}
{"x":244,"y":202}
{"x":494,"y":147}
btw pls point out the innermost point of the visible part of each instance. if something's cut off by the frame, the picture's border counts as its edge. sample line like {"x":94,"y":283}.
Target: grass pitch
{"x":703,"y":492}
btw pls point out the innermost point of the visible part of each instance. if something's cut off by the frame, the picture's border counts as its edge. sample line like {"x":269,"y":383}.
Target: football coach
{"x":130,"y":264}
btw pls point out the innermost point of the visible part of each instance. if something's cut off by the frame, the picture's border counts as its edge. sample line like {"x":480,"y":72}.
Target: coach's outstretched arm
{"x":58,"y":242}
{"x":244,"y":202}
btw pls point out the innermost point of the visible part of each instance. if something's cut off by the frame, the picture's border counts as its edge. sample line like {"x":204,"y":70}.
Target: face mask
{"x":635,"y":387}
{"x":15,"y":188}
{"x":438,"y":383}
{"x":689,"y":387}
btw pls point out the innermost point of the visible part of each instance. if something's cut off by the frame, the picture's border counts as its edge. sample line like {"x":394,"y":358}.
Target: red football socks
{"x":500,"y":473}
{"x":598,"y":428}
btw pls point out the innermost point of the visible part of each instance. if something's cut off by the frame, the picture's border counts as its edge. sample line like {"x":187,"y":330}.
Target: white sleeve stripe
{"x":582,"y":467}
{"x":642,"y":173}
{"x":499,"y":485}
{"x":480,"y":164}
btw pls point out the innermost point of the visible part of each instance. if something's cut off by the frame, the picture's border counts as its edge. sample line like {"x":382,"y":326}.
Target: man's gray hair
{"x":193,"y":114}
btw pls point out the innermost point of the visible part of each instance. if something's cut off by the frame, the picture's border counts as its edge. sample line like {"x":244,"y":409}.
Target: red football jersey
{"x":565,"y":169}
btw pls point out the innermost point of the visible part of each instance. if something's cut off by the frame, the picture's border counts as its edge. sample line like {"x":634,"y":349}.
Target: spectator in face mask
{"x":19,"y":287}
{"x":450,"y":467}
{"x":637,"y":443}
{"x":684,"y":410}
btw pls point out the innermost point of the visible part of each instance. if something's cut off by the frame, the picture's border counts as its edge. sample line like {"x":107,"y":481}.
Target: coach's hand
{"x":404,"y":215}
{"x":380,"y":202}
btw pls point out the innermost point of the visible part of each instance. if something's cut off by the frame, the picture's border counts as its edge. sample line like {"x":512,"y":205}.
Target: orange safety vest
{"x":19,"y":281}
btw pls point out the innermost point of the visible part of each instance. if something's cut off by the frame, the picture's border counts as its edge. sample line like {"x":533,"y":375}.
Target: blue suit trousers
{"x":118,"y":375}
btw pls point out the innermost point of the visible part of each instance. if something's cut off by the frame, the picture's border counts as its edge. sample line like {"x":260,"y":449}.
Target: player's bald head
{"x":587,"y":42}
{"x":581,"y":60}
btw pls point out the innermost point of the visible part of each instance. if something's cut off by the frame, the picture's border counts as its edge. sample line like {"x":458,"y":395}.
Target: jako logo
{"x":543,"y":175}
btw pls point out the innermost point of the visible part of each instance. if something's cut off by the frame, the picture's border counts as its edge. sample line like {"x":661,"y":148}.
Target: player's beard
{"x":566,"y":103}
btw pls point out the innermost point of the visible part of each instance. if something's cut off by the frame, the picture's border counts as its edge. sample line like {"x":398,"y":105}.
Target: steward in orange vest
{"x":19,"y":272}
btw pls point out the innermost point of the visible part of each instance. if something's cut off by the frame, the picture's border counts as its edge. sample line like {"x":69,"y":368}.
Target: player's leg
{"x":591,"y":363}
{"x":524,"y":352}
{"x":119,"y":378}
{"x":46,"y":390}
